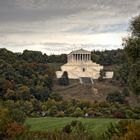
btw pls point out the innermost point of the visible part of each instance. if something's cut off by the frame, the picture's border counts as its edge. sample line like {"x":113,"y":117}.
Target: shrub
{"x":14,"y":130}
{"x":125,"y":92}
{"x":75,"y":126}
{"x":115,"y":97}
{"x":53,"y":111}
{"x":11,"y":123}
{"x":60,"y":114}
{"x":78,"y":112}
{"x":124,"y":130}
{"x":56,"y":97}
{"x":119,"y":114}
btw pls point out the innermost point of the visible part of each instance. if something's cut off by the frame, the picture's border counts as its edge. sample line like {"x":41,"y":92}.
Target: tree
{"x":33,"y":56}
{"x":41,"y":93}
{"x":108,"y":57}
{"x":17,"y":115}
{"x":56,"y":96}
{"x":102,"y":75}
{"x":10,"y":94}
{"x":48,"y":82}
{"x":52,"y":110}
{"x":24,"y":93}
{"x":78,"y":112}
{"x":115,"y":97}
{"x":121,"y":74}
{"x":1,"y":87}
{"x":64,"y":80}
{"x":7,"y":56}
{"x":8,"y":85}
{"x":125,"y":92}
{"x":132,"y":49}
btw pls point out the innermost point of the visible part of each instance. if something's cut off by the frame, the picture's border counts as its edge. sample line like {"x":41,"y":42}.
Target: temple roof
{"x":81,"y":51}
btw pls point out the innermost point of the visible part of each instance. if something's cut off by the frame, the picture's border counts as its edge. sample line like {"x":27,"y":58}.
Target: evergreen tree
{"x":102,"y":75}
{"x":64,"y":80}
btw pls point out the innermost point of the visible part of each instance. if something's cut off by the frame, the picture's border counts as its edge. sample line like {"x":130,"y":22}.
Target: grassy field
{"x":96,"y":125}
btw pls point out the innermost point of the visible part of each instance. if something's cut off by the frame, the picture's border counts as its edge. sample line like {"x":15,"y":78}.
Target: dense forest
{"x":106,"y":58}
{"x":20,"y":79}
{"x":26,"y":81}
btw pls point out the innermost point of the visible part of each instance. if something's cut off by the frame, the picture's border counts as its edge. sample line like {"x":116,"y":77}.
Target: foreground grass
{"x":96,"y":125}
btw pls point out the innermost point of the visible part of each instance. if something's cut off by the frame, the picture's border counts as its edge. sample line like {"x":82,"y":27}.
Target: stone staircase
{"x":86,"y":80}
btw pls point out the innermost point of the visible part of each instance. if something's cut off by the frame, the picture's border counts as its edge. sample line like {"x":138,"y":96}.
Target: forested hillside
{"x":20,"y":79}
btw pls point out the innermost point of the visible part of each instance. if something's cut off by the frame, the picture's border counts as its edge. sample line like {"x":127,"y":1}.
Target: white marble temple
{"x":80,"y":65}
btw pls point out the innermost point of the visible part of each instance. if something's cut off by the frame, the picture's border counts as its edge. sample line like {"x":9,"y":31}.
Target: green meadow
{"x":95,"y":125}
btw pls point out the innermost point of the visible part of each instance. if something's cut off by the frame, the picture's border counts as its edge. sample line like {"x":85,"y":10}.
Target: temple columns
{"x":79,"y":57}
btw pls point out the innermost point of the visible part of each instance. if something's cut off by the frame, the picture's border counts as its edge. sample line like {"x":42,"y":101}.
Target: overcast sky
{"x":60,"y":26}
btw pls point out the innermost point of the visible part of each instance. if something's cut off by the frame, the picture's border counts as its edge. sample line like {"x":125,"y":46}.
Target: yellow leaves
{"x":3,"y":113}
{"x":133,"y":130}
{"x":132,"y":133}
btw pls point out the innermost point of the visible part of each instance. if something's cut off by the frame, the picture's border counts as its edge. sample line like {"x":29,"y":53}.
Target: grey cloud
{"x":32,"y":10}
{"x":100,"y":28}
{"x":111,"y":28}
{"x":55,"y":47}
{"x":49,"y":17}
{"x":139,"y":6}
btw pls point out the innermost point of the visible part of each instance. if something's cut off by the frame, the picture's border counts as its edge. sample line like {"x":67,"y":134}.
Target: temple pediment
{"x":81,"y":51}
